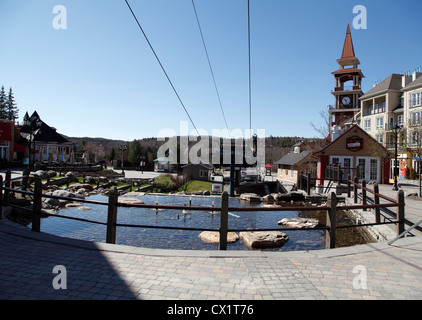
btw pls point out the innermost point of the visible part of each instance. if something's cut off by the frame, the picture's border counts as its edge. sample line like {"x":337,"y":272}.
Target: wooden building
{"x":355,"y":153}
{"x":198,"y":171}
{"x":294,"y":163}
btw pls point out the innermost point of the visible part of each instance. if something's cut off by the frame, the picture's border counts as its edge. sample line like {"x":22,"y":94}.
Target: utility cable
{"x":161,"y":65}
{"x":209,"y":63}
{"x":250,"y":77}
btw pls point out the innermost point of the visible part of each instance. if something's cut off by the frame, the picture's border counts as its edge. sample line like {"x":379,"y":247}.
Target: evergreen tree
{"x":136,"y":152}
{"x":2,"y":103}
{"x":11,"y":108}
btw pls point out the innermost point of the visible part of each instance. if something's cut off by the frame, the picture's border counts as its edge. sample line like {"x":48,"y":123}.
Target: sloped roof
{"x":348,"y":50}
{"x":363,"y":132}
{"x":206,"y":166}
{"x":43,"y":133}
{"x":292,"y":158}
{"x":392,"y":82}
{"x":413,"y":84}
{"x":162,"y":159}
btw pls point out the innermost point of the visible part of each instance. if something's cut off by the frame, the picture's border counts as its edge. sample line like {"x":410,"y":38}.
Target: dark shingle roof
{"x":43,"y":133}
{"x":292,"y":158}
{"x":392,"y":82}
{"x":416,"y":83}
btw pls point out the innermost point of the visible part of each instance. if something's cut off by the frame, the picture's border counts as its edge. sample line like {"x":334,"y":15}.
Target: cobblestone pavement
{"x":103,"y":271}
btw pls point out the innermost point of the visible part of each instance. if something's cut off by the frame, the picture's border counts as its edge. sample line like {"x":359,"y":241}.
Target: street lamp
{"x":123,"y":148}
{"x":396,"y":129}
{"x":32,"y":132}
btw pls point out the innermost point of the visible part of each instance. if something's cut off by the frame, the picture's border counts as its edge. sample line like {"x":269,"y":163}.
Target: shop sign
{"x":354,"y":144}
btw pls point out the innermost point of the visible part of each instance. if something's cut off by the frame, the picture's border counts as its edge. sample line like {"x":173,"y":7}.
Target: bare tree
{"x":324,"y":129}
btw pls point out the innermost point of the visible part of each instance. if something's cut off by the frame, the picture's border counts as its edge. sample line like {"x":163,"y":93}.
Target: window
{"x":380,"y":123}
{"x":367,"y":126}
{"x":416,"y":99}
{"x":347,"y":167}
{"x":376,"y":108}
{"x":380,"y":138}
{"x":292,"y":171}
{"x":415,"y":118}
{"x":371,"y":109}
{"x":361,"y":169}
{"x":400,"y":120}
{"x":373,"y":174}
{"x":382,"y":106}
{"x":415,"y":138}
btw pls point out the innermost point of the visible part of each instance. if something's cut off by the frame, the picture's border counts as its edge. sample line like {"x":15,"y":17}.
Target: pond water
{"x":182,"y":239}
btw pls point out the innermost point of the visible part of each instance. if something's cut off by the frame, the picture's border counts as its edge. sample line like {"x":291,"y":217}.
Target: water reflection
{"x":180,"y":239}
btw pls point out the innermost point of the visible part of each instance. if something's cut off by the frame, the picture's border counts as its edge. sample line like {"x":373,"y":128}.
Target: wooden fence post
{"x":224,"y":221}
{"x":7,"y":185}
{"x":308,"y":183}
{"x":330,"y":238}
{"x":355,"y":190}
{"x":348,"y":186}
{"x":36,"y":206}
{"x":364,"y":194}
{"x":112,"y":216}
{"x":377,"y":201}
{"x":400,"y":212}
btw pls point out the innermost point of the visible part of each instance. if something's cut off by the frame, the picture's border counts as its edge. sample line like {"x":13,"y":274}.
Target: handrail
{"x":331,"y":208}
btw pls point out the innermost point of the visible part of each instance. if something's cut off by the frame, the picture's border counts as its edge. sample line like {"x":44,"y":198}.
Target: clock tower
{"x":347,"y":90}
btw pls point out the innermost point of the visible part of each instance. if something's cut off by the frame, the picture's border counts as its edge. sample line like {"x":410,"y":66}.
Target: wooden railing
{"x":113,"y":204}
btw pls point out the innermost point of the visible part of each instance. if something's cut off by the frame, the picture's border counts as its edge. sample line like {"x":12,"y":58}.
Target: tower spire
{"x":348,"y":50}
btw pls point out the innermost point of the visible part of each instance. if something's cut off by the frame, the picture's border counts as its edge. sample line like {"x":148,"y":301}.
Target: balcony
{"x":390,"y":126}
{"x":347,"y":88}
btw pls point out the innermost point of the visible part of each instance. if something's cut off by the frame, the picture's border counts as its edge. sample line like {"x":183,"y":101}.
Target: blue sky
{"x":99,"y":78}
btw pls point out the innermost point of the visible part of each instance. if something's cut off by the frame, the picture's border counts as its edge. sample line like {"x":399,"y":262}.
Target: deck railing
{"x":113,"y":204}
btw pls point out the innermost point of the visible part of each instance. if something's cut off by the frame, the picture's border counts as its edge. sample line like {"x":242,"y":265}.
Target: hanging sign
{"x":354,"y":144}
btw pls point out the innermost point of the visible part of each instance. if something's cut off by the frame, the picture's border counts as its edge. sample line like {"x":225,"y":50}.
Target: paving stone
{"x":392,"y":272}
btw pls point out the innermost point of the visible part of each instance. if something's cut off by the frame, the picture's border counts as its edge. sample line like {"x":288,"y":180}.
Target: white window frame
{"x":380,"y":123}
{"x":367,"y":124}
{"x":416,"y":99}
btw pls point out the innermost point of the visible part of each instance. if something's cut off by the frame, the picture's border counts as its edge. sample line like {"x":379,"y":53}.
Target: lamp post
{"x":396,"y":129}
{"x":123,"y":148}
{"x":32,"y":132}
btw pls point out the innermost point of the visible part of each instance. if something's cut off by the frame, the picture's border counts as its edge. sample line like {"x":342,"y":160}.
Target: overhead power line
{"x":161,"y":65}
{"x":209,"y":63}
{"x":250,"y":76}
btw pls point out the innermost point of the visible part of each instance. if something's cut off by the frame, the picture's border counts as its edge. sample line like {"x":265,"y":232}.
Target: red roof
{"x":348,"y":50}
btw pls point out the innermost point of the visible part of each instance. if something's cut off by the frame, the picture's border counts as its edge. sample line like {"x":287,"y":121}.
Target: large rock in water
{"x":299,"y":223}
{"x":291,"y":196}
{"x":251,"y":197}
{"x":130,"y":200}
{"x":214,"y":237}
{"x":264,"y":239}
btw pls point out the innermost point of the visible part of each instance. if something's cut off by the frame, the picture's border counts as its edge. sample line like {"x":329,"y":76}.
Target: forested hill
{"x":106,"y":149}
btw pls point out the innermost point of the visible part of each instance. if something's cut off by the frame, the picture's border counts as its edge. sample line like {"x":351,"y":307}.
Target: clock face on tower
{"x":346,"y":101}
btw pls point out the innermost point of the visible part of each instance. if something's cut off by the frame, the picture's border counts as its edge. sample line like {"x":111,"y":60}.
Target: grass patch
{"x":164,"y":182}
{"x":196,"y":185}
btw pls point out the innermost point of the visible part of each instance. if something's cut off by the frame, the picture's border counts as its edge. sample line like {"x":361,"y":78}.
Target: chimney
{"x":416,"y":74}
{"x":405,"y":80}
{"x":335,"y":133}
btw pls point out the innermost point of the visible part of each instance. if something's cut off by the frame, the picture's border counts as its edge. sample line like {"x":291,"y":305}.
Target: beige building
{"x":412,"y":98}
{"x":295,"y":163}
{"x":395,"y":102}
